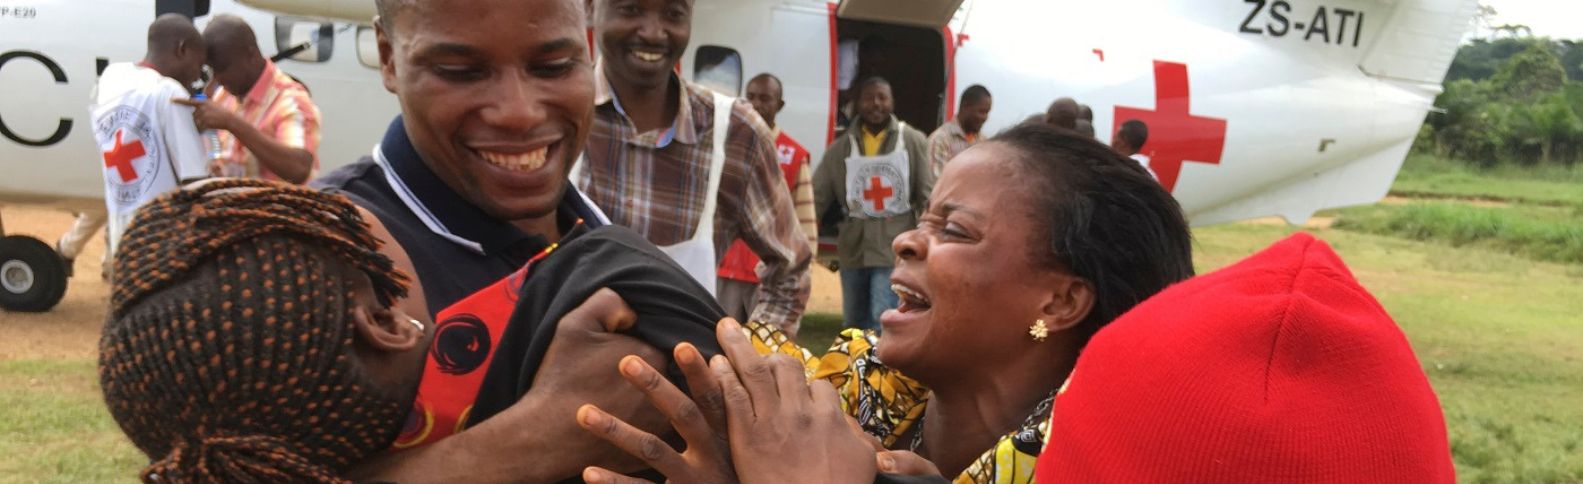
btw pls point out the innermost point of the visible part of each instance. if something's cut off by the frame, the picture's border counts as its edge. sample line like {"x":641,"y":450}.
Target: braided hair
{"x":228,"y":351}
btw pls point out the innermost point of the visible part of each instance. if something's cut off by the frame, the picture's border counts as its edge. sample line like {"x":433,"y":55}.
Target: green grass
{"x":1428,"y":176}
{"x":818,"y":330}
{"x":1541,"y":233}
{"x":54,"y":426}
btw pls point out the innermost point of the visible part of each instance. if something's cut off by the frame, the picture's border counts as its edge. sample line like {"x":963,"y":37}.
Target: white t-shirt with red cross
{"x":147,"y":144}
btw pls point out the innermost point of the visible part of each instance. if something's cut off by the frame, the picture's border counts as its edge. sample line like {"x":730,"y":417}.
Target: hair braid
{"x":227,"y":356}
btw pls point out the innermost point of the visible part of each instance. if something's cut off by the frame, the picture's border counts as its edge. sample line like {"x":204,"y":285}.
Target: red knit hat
{"x":1280,"y":368}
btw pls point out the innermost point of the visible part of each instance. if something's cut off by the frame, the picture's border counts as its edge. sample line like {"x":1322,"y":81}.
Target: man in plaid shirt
{"x":652,"y":150}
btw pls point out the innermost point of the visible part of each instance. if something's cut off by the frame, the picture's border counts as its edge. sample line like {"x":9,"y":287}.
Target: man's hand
{"x":210,"y":116}
{"x":537,"y":439}
{"x":700,"y":419}
{"x":782,"y":428}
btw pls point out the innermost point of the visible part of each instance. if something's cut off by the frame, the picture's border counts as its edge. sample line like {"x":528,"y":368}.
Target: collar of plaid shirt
{"x":681,"y":129}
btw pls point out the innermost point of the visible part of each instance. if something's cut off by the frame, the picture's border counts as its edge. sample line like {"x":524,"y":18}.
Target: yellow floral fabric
{"x":888,"y":404}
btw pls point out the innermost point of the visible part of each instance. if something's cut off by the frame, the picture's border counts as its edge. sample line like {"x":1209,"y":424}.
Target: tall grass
{"x":1554,"y":235}
{"x":1428,"y":176}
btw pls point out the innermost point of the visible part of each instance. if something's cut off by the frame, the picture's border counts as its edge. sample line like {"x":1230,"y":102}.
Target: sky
{"x":1561,"y":19}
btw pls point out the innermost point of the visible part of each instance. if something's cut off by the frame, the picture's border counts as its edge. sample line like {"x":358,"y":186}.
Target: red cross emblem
{"x":877,"y":192}
{"x":1175,"y":135}
{"x":121,"y":157}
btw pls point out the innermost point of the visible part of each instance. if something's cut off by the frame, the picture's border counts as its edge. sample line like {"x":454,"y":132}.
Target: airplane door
{"x":917,"y":13}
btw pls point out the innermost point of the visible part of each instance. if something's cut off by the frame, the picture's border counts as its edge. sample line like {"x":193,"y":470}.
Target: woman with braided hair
{"x":263,"y":332}
{"x":253,"y":336}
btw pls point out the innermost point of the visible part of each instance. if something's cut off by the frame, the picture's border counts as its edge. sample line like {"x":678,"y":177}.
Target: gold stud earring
{"x":1039,"y":331}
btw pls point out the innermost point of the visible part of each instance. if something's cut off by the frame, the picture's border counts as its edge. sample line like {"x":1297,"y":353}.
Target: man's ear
{"x":387,"y":56}
{"x":1070,"y":301}
{"x":779,"y":105}
{"x":381,"y":329}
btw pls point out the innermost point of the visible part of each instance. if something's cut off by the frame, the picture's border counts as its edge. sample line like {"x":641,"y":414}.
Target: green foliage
{"x":1534,"y":71}
{"x":1541,"y":233}
{"x":1510,"y":100}
{"x":1428,"y":176}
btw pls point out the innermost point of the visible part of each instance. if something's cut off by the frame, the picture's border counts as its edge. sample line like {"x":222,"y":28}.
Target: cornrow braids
{"x":228,"y":352}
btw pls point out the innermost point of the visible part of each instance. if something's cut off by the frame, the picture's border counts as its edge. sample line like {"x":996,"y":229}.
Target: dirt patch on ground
{"x":71,"y":330}
{"x":1403,"y":199}
{"x":1316,"y":222}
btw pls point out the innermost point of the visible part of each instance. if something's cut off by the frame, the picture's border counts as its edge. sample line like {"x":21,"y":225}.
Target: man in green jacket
{"x":877,"y":177}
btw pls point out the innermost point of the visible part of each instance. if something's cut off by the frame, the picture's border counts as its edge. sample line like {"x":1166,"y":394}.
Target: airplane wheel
{"x":32,"y":276}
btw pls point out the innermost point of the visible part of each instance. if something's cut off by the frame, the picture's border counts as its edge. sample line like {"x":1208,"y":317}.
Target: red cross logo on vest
{"x":121,"y":157}
{"x":1175,"y":135}
{"x":877,"y":192}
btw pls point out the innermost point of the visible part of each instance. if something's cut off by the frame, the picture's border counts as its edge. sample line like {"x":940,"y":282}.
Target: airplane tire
{"x":32,"y":276}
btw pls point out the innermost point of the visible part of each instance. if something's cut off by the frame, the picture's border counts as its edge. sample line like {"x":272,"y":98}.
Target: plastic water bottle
{"x":211,"y":141}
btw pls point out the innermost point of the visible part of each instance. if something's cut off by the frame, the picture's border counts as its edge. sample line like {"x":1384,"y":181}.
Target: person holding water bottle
{"x":266,"y":124}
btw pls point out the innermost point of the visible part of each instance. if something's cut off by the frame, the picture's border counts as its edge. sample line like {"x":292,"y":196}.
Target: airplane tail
{"x":1418,"y":41}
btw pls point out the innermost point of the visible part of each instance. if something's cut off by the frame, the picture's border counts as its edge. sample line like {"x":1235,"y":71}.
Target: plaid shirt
{"x":278,"y":106}
{"x":654,"y":183}
{"x":946,"y":142}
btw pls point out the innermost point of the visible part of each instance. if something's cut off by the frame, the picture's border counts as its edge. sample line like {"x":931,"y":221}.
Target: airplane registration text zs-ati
{"x":1254,"y":107}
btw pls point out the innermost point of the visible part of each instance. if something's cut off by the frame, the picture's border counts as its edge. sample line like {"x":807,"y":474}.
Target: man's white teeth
{"x":531,"y":160}
{"x":649,"y":56}
{"x":909,"y":294}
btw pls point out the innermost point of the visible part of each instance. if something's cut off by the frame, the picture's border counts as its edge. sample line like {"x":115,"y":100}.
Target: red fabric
{"x":1281,"y":368}
{"x":459,"y":356}
{"x":740,"y":263}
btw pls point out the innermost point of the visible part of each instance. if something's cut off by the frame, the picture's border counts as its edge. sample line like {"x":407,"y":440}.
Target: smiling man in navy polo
{"x":469,"y":184}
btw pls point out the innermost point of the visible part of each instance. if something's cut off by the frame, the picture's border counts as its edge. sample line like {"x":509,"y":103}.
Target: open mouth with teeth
{"x":525,"y":161}
{"x":911,"y":300}
{"x":648,"y":56}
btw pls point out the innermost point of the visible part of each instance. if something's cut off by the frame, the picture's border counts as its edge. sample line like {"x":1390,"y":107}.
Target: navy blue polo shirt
{"x":455,"y":246}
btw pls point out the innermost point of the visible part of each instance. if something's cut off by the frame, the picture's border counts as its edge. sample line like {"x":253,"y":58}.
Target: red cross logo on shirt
{"x":121,"y":156}
{"x":1175,"y":135}
{"x":877,"y":192}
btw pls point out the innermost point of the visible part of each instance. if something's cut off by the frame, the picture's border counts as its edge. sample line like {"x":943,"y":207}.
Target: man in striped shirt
{"x":269,"y":126}
{"x":659,"y":162}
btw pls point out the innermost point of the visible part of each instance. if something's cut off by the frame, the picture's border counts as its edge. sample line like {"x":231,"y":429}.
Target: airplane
{"x":1255,"y":108}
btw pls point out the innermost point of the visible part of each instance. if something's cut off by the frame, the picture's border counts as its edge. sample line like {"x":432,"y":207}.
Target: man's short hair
{"x":766,"y":75}
{"x":1085,"y":128}
{"x":1134,"y":132}
{"x":869,"y":82}
{"x":973,"y":94}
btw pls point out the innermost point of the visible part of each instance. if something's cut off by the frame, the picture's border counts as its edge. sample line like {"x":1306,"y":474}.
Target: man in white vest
{"x":690,"y":169}
{"x":876,"y":180}
{"x":147,"y":144}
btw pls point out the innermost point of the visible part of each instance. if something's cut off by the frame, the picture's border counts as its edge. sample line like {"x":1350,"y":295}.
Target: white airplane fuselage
{"x":1256,"y":108}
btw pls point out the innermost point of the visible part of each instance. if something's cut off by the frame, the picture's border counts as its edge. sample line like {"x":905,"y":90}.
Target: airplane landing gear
{"x":32,"y":276}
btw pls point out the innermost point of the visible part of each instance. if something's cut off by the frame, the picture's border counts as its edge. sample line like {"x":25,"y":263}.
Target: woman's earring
{"x":1039,"y":331}
{"x":415,"y":322}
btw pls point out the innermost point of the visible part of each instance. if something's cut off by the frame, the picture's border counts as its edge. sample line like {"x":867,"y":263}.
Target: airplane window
{"x":367,"y":47}
{"x":303,"y":40}
{"x":719,"y":68}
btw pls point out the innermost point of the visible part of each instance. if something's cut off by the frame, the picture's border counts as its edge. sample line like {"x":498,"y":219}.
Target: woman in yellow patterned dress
{"x":1032,"y":241}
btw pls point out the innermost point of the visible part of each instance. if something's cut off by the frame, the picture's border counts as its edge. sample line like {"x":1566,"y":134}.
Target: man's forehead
{"x":540,"y":14}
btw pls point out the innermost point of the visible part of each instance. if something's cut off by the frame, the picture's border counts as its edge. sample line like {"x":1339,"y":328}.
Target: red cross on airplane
{"x":121,"y":157}
{"x":1175,"y":134}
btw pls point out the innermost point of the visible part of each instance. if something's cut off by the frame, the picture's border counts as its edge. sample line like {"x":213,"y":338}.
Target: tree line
{"x":1514,"y":100}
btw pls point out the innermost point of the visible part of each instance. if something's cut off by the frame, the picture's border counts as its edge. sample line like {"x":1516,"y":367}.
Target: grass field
{"x":1425,"y":175}
{"x":1499,"y":332}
